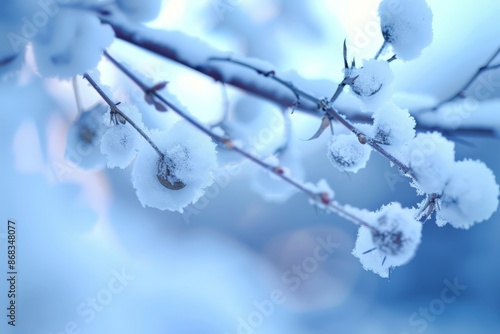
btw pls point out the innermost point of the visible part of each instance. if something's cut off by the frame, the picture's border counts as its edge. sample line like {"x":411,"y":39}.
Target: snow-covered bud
{"x":407,"y":27}
{"x":431,"y":158}
{"x":469,"y":197}
{"x":83,"y":140}
{"x":121,"y":143}
{"x":182,"y":175}
{"x":346,"y":153}
{"x":393,"y":126}
{"x":393,"y":242}
{"x":372,"y":82}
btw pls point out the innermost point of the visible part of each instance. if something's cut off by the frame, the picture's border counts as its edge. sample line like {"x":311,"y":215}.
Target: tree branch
{"x":461,"y":92}
{"x":114,"y":109}
{"x":320,"y":198}
{"x":194,"y":53}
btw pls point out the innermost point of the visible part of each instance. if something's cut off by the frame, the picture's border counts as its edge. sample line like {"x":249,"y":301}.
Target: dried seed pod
{"x":166,"y":176}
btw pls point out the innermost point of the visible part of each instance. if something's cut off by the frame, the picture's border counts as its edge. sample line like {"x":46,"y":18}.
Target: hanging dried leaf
{"x":325,"y":123}
{"x":159,"y":86}
{"x":160,"y":107}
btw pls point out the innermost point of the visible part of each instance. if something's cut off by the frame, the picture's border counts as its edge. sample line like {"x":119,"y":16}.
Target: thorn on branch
{"x":393,"y":58}
{"x":159,"y":86}
{"x":326,"y":121}
{"x":346,"y":65}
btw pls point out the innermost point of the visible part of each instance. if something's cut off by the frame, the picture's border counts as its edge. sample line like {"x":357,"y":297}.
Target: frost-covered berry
{"x":431,"y":158}
{"x":393,"y":126}
{"x":373,"y":82}
{"x":83,"y":140}
{"x":407,"y":26}
{"x":121,"y":142}
{"x":71,"y":43}
{"x":469,"y":197}
{"x":181,"y":177}
{"x":120,"y":145}
{"x":392,"y":243}
{"x":346,"y":153}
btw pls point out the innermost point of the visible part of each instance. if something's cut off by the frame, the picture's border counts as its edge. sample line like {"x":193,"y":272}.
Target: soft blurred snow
{"x":76,"y":227}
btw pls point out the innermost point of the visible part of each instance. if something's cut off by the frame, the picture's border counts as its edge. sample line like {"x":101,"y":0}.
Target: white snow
{"x":144,"y":10}
{"x":373,"y":83}
{"x":395,"y":242}
{"x":431,"y":158}
{"x":71,"y":43}
{"x":407,"y":26}
{"x":120,"y":145}
{"x":191,"y":158}
{"x":393,"y":126}
{"x":470,"y":196}
{"x":346,"y":153}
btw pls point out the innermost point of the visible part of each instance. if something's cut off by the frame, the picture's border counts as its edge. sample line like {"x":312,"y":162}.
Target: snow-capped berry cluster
{"x":406,"y":26}
{"x":67,"y":36}
{"x":393,"y":242}
{"x":468,"y":190}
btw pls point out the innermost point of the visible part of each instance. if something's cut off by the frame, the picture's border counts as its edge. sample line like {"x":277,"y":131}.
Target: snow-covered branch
{"x":195,"y":54}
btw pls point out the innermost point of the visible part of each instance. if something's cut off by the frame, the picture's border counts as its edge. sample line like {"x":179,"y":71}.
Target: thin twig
{"x":332,"y":205}
{"x":327,"y":107}
{"x":114,"y":109}
{"x":461,"y":92}
{"x":168,"y":49}
{"x":76,"y":92}
{"x":382,"y":48}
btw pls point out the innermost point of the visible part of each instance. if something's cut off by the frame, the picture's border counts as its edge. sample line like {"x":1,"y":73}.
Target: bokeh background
{"x":205,"y":272}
